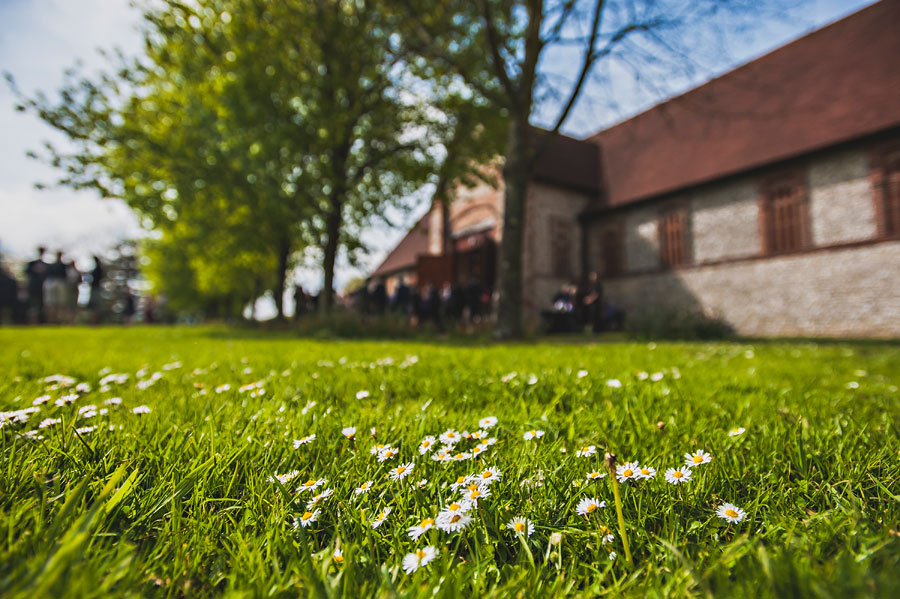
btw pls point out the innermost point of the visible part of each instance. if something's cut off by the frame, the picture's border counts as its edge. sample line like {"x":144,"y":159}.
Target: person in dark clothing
{"x":473,"y":300}
{"x":56,"y":290}
{"x":379,"y":298}
{"x":36,"y":271}
{"x":434,"y":307}
{"x":301,"y":301}
{"x":9,"y":296}
{"x":593,"y":302}
{"x":401,"y":298}
{"x":95,"y":302}
{"x":562,"y":317}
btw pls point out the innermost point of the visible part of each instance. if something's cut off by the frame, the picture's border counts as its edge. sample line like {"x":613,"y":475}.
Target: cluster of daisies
{"x":470,"y":490}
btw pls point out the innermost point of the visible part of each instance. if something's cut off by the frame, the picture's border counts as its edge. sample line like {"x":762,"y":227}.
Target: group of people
{"x":51,"y":290}
{"x":449,"y":304}
{"x":574,"y":308}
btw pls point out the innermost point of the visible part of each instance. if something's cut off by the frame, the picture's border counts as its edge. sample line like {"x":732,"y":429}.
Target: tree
{"x":495,"y":48}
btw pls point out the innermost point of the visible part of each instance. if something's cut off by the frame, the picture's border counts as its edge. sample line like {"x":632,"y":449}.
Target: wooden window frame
{"x":608,"y":268}
{"x":784,"y":219}
{"x":883,"y":178}
{"x":674,"y":230}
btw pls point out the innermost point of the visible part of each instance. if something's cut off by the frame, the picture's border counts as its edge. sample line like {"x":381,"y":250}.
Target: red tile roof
{"x":405,"y":254}
{"x":570,"y":163}
{"x":836,"y":84}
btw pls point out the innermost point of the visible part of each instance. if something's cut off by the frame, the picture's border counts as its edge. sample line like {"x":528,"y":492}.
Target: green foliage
{"x":676,"y":324}
{"x":179,"y":501}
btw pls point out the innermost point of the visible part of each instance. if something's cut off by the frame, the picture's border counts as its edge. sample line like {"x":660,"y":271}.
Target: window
{"x":887,"y":191}
{"x":560,"y":248}
{"x":785,"y":213}
{"x":611,"y":246}
{"x":674,"y":237}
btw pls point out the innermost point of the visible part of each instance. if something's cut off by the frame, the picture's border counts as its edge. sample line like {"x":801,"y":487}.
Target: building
{"x":768,"y":197}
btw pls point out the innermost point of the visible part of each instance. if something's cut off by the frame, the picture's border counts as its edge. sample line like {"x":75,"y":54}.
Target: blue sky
{"x":41,"y":38}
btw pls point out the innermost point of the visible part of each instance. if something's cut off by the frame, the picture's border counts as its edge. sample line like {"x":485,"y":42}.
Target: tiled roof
{"x":405,"y":254}
{"x":839,"y":83}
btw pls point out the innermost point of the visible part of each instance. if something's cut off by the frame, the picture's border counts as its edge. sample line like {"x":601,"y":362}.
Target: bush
{"x":676,"y":324}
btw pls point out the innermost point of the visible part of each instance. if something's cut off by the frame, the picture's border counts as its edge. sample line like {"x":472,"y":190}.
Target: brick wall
{"x":725,"y":221}
{"x":840,"y":200}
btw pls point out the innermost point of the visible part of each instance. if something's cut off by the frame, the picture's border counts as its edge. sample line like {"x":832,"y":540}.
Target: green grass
{"x":179,"y":502}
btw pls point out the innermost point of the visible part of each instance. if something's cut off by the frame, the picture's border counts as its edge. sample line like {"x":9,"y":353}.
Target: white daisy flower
{"x":533,"y":434}
{"x":65,"y":400}
{"x":401,"y":471}
{"x":646,"y":472}
{"x":381,"y":517}
{"x":588,"y":506}
{"x":478,"y":449}
{"x":377,"y":447}
{"x":85,"y":430}
{"x":738,"y":430}
{"x":488,"y":476}
{"x":614,"y":384}
{"x":488,"y":422}
{"x":141,"y":410}
{"x":304,"y":440}
{"x":285,"y":478}
{"x":612,"y":556}
{"x":626,"y":471}
{"x":582,"y":373}
{"x":488,"y":442}
{"x":363,"y":488}
{"x":461,"y":481}
{"x":223,"y":388}
{"x":311,"y":485}
{"x":309,"y":405}
{"x":478,"y":435}
{"x":731,"y":513}
{"x":521,"y":526}
{"x":678,"y":475}
{"x":453,"y":521}
{"x":349,"y":431}
{"x":338,"y":556}
{"x":532,"y":379}
{"x":422,"y":483}
{"x":113,"y":401}
{"x":643,"y":376}
{"x":656,"y":377}
{"x":450,"y":437}
{"x":460,"y":457}
{"x":458,"y":506}
{"x":473,"y":495}
{"x":421,"y":528}
{"x":696,"y":458}
{"x":320,"y":498}
{"x":586,"y":451}
{"x":387,"y":452}
{"x":426,"y":445}
{"x":419,"y":559}
{"x":49,"y":422}
{"x":362,"y":394}
{"x":607,"y":538}
{"x":595,"y":475}
{"x":307,"y":518}
{"x":42,"y":399}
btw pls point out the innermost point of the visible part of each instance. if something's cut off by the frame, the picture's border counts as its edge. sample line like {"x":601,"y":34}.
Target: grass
{"x":179,"y":502}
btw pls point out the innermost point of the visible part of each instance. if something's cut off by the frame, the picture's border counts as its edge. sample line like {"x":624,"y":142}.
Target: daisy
{"x":285,"y":478}
{"x":419,"y":559}
{"x":626,"y":471}
{"x":85,"y":430}
{"x":478,"y":449}
{"x":304,"y":440}
{"x":307,"y":518}
{"x":364,"y":488}
{"x":380,"y":518}
{"x":730,"y":512}
{"x":421,"y":528}
{"x":588,"y":506}
{"x":461,"y":506}
{"x":488,"y":422}
{"x":426,"y":445}
{"x":349,"y":432}
{"x":453,"y":521}
{"x":311,"y":485}
{"x":656,"y":377}
{"x":462,"y":481}
{"x":422,"y":483}
{"x":320,"y":498}
{"x":594,"y":475}
{"x":477,"y":493}
{"x":586,"y":451}
{"x":614,"y":384}
{"x":696,"y":458}
{"x":488,"y":442}
{"x":738,"y":430}
{"x":401,"y":471}
{"x":338,"y":556}
{"x":461,"y":456}
{"x":533,"y":434}
{"x":521,"y":526}
{"x":477,"y":435}
{"x":377,"y":447}
{"x":113,"y":401}
{"x":141,"y":410}
{"x":488,"y":476}
{"x":42,"y":399}
{"x":223,"y":388}
{"x":646,"y":472}
{"x":582,"y":373}
{"x":678,"y":475}
{"x":362,"y":394}
{"x":612,"y":556}
{"x":386,"y":453}
{"x":49,"y":422}
{"x":450,"y":437}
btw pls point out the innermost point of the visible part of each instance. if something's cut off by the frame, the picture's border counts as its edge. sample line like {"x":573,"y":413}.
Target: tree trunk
{"x":515,"y":177}
{"x":284,"y":254}
{"x":332,"y":233}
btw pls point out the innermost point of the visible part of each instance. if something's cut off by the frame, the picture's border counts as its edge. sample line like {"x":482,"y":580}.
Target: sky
{"x":39,"y":39}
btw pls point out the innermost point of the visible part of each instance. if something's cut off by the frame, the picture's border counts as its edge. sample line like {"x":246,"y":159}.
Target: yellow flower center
{"x":426,"y":522}
{"x":628,"y":472}
{"x":473,"y":487}
{"x":519,"y":526}
{"x":735,"y":430}
{"x":401,"y":469}
{"x":678,"y":474}
{"x":450,"y":435}
{"x":458,"y":456}
{"x":420,"y":554}
{"x":426,"y":443}
{"x":731,"y":513}
{"x":534,"y":433}
{"x":592,"y":508}
{"x":698,"y":459}
{"x":453,"y":507}
{"x":460,"y":480}
{"x":307,"y":516}
{"x":339,"y":559}
{"x":644,"y":471}
{"x":487,"y":474}
{"x":475,"y":494}
{"x":309,"y":483}
{"x":456,"y":518}
{"x":381,"y":516}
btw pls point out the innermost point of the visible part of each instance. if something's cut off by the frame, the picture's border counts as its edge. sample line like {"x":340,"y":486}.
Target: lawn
{"x":224,"y":467}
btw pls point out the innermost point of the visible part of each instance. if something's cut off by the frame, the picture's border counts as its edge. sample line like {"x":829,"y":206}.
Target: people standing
{"x":9,"y":296}
{"x":593,"y":302}
{"x":55,"y":289}
{"x":95,"y":301}
{"x":36,"y":272}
